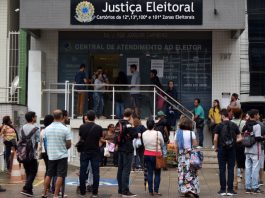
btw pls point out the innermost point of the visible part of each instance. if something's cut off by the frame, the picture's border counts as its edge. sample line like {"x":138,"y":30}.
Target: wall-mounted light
{"x":16,"y":10}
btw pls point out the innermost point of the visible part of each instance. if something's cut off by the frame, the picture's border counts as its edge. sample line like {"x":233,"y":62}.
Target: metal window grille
{"x":13,"y":62}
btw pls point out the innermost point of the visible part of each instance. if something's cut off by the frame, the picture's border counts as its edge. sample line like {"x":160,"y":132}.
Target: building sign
{"x":136,"y":12}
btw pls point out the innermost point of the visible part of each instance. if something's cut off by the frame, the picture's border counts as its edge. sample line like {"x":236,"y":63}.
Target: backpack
{"x":160,"y":127}
{"x":120,"y":130}
{"x":227,"y":136}
{"x":248,"y":136}
{"x":25,"y":147}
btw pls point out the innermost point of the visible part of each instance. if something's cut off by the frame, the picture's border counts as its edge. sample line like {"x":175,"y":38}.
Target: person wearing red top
{"x":153,"y":141}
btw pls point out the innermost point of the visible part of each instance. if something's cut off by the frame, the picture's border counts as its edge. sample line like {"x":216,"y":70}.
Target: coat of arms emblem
{"x":84,"y":12}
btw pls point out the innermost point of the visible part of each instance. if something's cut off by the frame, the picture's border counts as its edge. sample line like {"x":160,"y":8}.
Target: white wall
{"x":48,"y":44}
{"x":225,"y":71}
{"x":3,"y":48}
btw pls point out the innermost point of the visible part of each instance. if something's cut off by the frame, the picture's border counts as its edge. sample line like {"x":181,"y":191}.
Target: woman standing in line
{"x":153,"y":141}
{"x":214,"y":117}
{"x":185,"y":140}
{"x":9,"y":135}
{"x":42,"y":150}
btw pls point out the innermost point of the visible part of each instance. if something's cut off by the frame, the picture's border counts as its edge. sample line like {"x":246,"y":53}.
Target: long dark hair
{"x":218,"y":105}
{"x":122,"y":78}
{"x":7,"y":121}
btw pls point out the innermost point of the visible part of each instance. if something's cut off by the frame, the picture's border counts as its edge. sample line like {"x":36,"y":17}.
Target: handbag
{"x":196,"y":157}
{"x":160,"y":161}
{"x":111,"y":146}
{"x":106,"y":151}
{"x":82,"y":142}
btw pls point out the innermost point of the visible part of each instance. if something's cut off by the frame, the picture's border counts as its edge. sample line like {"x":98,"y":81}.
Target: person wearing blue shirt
{"x":81,"y":79}
{"x":199,"y":119}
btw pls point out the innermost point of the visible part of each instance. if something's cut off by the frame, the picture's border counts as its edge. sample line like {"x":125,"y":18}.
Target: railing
{"x":6,"y":95}
{"x":69,"y":90}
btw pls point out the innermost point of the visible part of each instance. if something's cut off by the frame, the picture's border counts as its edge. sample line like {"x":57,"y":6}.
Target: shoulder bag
{"x":160,"y":162}
{"x":82,"y":142}
{"x":196,"y":157}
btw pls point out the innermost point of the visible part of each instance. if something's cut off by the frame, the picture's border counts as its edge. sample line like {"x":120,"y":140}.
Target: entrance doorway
{"x":110,"y":64}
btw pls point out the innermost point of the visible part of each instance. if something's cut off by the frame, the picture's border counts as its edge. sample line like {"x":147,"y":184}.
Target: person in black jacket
{"x":125,"y":152}
{"x":170,"y":111}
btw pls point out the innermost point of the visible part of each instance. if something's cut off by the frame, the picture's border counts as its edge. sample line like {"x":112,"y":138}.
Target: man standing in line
{"x":31,"y":166}
{"x":91,"y":134}
{"x":125,"y":151}
{"x":135,"y":90}
{"x":199,"y":119}
{"x":81,"y":79}
{"x":58,"y":141}
{"x":226,"y":135}
{"x":163,"y":126}
{"x":253,"y":154}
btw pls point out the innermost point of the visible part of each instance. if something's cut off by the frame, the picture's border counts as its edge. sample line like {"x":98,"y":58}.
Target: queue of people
{"x":238,"y":140}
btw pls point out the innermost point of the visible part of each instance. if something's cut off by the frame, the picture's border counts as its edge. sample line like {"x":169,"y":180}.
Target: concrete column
{"x":35,"y":78}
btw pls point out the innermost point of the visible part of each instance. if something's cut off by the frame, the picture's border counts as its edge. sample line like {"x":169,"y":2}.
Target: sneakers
{"x":44,"y":196}
{"x":128,"y":194}
{"x":157,"y":194}
{"x":261,"y":183}
{"x":222,"y":192}
{"x":248,"y":191}
{"x":94,"y":195}
{"x":257,"y":191}
{"x":231,"y":193}
{"x":151,"y":194}
{"x":199,"y":147}
{"x":27,"y":193}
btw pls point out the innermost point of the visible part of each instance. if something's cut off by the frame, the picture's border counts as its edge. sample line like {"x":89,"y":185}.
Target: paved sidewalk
{"x":208,"y":181}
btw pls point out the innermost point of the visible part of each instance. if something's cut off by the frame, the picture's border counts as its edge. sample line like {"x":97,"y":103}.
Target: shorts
{"x":57,"y":168}
{"x":164,"y":150}
{"x":135,"y":100}
{"x":261,"y":159}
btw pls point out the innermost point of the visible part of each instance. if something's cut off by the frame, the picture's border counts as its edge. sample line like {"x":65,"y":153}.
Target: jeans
{"x":31,"y":169}
{"x":150,"y":162}
{"x":8,"y":148}
{"x":85,"y":158}
{"x":124,"y":170}
{"x":164,"y":150}
{"x":98,"y":103}
{"x":119,"y":109}
{"x":171,"y":116}
{"x":226,"y":157}
{"x":252,"y":171}
{"x":200,"y":136}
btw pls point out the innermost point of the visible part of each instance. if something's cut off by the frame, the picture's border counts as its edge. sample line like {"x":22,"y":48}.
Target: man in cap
{"x":163,"y":126}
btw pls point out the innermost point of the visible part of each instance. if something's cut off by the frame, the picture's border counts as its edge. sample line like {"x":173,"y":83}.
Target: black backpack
{"x":120,"y":130}
{"x":25,"y":148}
{"x":161,"y":128}
{"x":248,"y":135}
{"x":227,"y":136}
